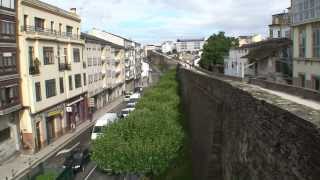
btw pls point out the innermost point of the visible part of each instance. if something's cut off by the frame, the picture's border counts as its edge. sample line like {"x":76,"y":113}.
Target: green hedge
{"x":150,"y":139}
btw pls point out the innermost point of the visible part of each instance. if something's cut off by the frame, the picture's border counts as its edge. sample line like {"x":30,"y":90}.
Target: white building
{"x":53,"y":75}
{"x":243,"y":40}
{"x":280,"y":26}
{"x":167,"y":47}
{"x":190,"y":45}
{"x":235,"y":65}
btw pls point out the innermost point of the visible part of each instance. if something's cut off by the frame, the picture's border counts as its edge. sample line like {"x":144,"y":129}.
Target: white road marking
{"x":90,"y":173}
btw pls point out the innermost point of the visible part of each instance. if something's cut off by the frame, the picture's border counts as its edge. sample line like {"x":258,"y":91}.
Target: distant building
{"x":306,"y":43}
{"x":151,"y":47}
{"x":10,"y":102}
{"x":167,"y":47}
{"x":280,"y":26}
{"x":249,"y":39}
{"x":189,"y":45}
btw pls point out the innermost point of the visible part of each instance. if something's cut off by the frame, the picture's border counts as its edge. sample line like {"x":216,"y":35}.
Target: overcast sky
{"x":152,"y":21}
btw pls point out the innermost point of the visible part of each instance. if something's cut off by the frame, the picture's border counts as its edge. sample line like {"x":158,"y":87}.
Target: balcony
{"x":8,"y":70}
{"x":64,"y":67}
{"x":34,"y":70}
{"x":9,"y":105}
{"x":49,"y":32}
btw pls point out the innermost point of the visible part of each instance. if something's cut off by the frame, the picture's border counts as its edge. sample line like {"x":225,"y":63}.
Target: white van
{"x":101,"y":123}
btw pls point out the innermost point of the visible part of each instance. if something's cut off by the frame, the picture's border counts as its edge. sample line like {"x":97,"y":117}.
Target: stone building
{"x":10,"y":103}
{"x":306,"y":43}
{"x":280,"y":26}
{"x":54,"y":81}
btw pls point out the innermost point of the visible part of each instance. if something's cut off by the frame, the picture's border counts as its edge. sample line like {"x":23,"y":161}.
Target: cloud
{"x":157,"y":20}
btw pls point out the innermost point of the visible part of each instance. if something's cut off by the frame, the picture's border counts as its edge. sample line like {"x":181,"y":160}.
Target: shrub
{"x":149,"y":139}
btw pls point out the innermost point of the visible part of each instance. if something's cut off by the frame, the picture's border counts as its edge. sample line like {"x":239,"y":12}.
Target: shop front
{"x":76,"y":111}
{"x":55,"y":124}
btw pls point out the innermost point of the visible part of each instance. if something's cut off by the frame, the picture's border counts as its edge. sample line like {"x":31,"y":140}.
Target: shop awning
{"x":75,"y":101}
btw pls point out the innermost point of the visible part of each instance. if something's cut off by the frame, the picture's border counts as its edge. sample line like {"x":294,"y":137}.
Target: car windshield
{"x":125,"y":112}
{"x":130,"y":106}
{"x":97,"y":129}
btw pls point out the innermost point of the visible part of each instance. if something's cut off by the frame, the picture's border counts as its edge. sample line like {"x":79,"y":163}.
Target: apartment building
{"x":280,"y":26}
{"x":168,"y":47}
{"x":54,"y":81}
{"x":138,"y":64}
{"x":189,"y":45}
{"x":116,"y":64}
{"x":102,"y":66}
{"x":130,"y":64}
{"x":244,"y":40}
{"x":306,"y":43}
{"x":9,"y":82}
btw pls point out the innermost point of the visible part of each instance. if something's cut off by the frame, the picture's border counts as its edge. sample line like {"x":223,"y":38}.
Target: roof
{"x":267,"y":48}
{"x":94,"y":39}
{"x":190,"y":40}
{"x":52,"y":9}
{"x":107,"y":118}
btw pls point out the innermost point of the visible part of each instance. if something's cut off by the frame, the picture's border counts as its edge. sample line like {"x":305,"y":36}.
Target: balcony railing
{"x":64,"y":67}
{"x":49,"y":32}
{"x":8,"y":70}
{"x":9,"y":103}
{"x":34,"y":70}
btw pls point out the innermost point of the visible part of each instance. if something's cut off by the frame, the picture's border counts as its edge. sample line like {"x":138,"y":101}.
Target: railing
{"x":9,"y":102}
{"x":8,"y":70}
{"x":34,"y":70}
{"x":64,"y":67}
{"x":49,"y":32}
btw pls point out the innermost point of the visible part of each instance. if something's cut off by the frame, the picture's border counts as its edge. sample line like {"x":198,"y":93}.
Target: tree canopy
{"x":216,"y":48}
{"x":148,"y":140}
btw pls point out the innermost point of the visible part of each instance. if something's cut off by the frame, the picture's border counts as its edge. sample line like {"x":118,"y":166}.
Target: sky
{"x":155,"y":21}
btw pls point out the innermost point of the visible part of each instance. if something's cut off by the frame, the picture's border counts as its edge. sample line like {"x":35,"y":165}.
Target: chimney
{"x":73,"y":10}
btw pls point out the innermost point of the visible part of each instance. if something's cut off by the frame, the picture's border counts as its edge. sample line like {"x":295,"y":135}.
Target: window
{"x":69,"y":30}
{"x":38,"y":91}
{"x":302,"y":43}
{"x":9,"y":96}
{"x":77,"y":80}
{"x":61,"y":85}
{"x":316,"y":41}
{"x":39,"y":24}
{"x":65,"y":55}
{"x":25,"y":21}
{"x":8,"y":60}
{"x":5,"y":134}
{"x":51,"y":88}
{"x":84,"y":79}
{"x":48,"y":56}
{"x":52,"y":26}
{"x":7,"y":4}
{"x":76,"y":55}
{"x":60,"y":28}
{"x":70,"y":83}
{"x":31,"y":55}
{"x":7,"y":27}
{"x":279,"y":34}
{"x":271,"y":33}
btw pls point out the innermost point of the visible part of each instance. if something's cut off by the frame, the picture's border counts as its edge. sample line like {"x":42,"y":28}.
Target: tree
{"x":148,"y":141}
{"x":216,"y":47}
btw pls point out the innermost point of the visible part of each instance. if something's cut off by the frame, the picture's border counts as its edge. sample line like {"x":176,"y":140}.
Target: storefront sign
{"x":58,"y":110}
{"x":54,"y":113}
{"x":69,"y":109}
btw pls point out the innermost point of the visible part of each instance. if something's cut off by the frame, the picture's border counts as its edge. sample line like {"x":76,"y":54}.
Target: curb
{"x":37,"y":162}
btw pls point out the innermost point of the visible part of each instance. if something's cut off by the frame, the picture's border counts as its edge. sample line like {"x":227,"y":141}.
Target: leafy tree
{"x":216,"y":47}
{"x":47,"y":176}
{"x":148,"y":140}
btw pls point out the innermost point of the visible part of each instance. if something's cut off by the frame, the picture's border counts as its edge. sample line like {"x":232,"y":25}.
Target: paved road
{"x":83,"y":140}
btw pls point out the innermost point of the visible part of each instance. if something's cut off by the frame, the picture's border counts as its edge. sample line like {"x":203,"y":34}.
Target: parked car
{"x":135,"y":96}
{"x":127,"y":98}
{"x":102,"y":122}
{"x":132,"y":103}
{"x":125,"y":112}
{"x":77,"y":160}
{"x":138,"y":89}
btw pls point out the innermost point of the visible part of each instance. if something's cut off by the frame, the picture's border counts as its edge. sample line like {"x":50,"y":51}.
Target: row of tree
{"x":215,"y":49}
{"x":150,"y":139}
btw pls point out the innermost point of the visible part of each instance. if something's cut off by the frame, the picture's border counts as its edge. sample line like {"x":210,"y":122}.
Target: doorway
{"x":38,"y":139}
{"x":50,"y":129}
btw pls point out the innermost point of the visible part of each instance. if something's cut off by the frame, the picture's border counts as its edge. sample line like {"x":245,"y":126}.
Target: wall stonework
{"x":241,"y":133}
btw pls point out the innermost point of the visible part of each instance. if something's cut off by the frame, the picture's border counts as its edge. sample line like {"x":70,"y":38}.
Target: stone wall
{"x":294,"y":90}
{"x":241,"y":133}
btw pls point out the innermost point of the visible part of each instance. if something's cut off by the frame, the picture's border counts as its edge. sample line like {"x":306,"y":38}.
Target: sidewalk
{"x":18,"y":167}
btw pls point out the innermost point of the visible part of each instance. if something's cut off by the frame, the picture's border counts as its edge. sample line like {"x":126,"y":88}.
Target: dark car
{"x":77,"y":160}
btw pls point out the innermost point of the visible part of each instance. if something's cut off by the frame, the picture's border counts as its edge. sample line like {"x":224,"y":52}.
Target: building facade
{"x":244,"y":40}
{"x":10,"y":103}
{"x":101,"y":70}
{"x":235,"y":64}
{"x":130,"y":64}
{"x":167,"y":47}
{"x":306,"y":43}
{"x":280,"y":26}
{"x":54,"y":81}
{"x":190,"y":45}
